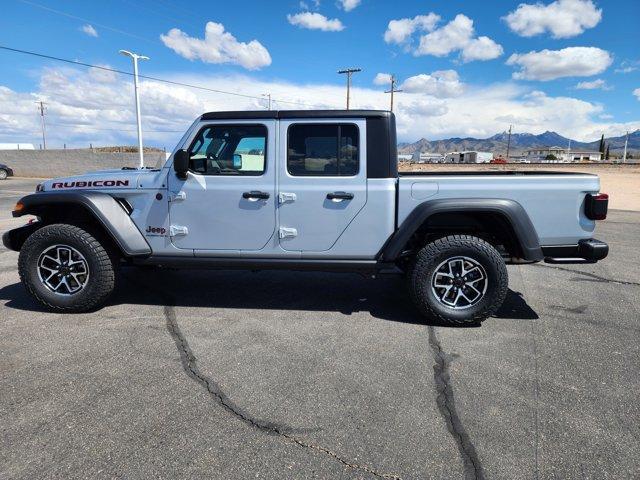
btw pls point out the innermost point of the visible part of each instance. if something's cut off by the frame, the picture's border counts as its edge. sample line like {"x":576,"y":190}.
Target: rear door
{"x":322,"y":181}
{"x":228,"y":200}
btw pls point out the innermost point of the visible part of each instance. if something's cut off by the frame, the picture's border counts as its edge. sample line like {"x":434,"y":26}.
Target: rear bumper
{"x":586,"y":251}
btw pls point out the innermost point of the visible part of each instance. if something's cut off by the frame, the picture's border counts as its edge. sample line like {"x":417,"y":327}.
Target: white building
{"x":469,"y":156}
{"x":427,"y":157}
{"x":562,"y":155}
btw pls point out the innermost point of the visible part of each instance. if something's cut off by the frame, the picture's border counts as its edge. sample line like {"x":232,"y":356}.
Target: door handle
{"x":255,"y":195}
{"x":339,"y":196}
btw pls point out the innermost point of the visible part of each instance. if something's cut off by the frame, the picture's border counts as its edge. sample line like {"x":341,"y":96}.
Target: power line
{"x":147,"y":77}
{"x":42,"y":109}
{"x":75,"y":17}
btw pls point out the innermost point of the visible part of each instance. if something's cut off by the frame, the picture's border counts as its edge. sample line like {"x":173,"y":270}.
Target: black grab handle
{"x":339,"y":196}
{"x":256,"y":194}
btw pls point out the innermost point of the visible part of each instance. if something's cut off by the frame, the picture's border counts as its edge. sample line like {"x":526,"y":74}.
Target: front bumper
{"x":13,"y":239}
{"x":588,"y":250}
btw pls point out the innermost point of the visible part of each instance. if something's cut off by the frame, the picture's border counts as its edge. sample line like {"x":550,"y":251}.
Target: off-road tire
{"x":3,"y":174}
{"x":101,"y":280}
{"x":423,"y":267}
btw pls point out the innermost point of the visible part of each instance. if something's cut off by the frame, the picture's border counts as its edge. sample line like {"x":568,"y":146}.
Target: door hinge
{"x":287,"y":232}
{"x":284,"y":197}
{"x":175,"y":197}
{"x":178,"y":230}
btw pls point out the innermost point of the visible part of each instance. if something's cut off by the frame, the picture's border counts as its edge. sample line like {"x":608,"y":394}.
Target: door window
{"x":229,"y":150}
{"x":323,"y":150}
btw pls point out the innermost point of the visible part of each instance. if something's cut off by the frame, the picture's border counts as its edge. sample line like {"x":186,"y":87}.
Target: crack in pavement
{"x":587,"y":274}
{"x":446,"y":405}
{"x":190,"y":366}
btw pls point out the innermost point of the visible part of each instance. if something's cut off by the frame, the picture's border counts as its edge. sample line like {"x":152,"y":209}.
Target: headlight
{"x":40,"y":187}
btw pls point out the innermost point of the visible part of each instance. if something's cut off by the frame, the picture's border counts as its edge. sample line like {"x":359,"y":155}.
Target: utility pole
{"x":349,"y":72}
{"x":41,"y":105}
{"x":135,"y":57}
{"x":392,"y":90}
{"x":268,"y":95}
{"x":509,"y":142}
{"x":624,"y":155}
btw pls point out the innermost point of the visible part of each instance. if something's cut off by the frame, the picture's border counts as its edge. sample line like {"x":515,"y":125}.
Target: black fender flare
{"x":102,"y":207}
{"x":511,"y":210}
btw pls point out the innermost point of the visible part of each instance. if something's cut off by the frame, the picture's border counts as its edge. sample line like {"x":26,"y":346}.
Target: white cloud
{"x":627,"y":67}
{"x":636,"y":92}
{"x":458,"y":35}
{"x":481,"y":48}
{"x":399,"y":31}
{"x":382,"y":79}
{"x":349,"y":5}
{"x":218,"y":46}
{"x":89,"y":30}
{"x":597,"y":84}
{"x":440,"y":84}
{"x":568,"y":62}
{"x":315,"y":21}
{"x":562,"y":18}
{"x":424,"y":107}
{"x":85,"y":107}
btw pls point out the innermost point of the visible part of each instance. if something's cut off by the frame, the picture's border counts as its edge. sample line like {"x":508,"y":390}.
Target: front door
{"x":322,"y":181}
{"x":227,"y":201}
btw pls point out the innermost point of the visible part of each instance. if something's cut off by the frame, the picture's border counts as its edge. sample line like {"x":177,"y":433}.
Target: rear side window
{"x":323,"y":150}
{"x":229,"y":150}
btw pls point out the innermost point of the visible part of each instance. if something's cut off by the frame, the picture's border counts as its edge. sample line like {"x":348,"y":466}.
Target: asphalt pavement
{"x":197,"y":374}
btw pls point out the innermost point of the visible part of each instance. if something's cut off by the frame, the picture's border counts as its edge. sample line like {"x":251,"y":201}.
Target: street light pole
{"x":135,"y":57}
{"x":349,"y":72}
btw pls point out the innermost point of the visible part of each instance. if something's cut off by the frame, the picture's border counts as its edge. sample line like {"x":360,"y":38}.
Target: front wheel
{"x":458,"y":280}
{"x":66,"y":269}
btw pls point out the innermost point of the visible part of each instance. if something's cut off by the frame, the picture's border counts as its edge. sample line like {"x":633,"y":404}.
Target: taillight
{"x":596,"y":206}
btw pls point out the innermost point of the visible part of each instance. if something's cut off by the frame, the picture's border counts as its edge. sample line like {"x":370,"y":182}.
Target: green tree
{"x":606,"y":155}
{"x":551,"y":156}
{"x":601,"y":148}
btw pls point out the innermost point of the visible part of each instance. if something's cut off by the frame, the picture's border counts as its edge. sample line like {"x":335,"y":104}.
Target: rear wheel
{"x":458,"y":280}
{"x":3,"y":174}
{"x":66,"y":269}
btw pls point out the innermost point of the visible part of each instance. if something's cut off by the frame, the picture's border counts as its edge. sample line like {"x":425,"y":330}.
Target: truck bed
{"x":554,"y":201}
{"x":486,"y":173}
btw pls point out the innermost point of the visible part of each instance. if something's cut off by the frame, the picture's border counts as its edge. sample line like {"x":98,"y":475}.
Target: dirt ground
{"x":621,"y":182}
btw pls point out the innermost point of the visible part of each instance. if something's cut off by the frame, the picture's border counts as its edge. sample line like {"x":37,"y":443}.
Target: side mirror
{"x":181,"y":163}
{"x":237,"y":161}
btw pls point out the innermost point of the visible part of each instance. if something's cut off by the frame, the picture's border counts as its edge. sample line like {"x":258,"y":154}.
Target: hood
{"x":107,"y":180}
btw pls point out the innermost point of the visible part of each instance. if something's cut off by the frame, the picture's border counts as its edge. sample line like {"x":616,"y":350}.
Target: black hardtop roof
{"x":275,"y":114}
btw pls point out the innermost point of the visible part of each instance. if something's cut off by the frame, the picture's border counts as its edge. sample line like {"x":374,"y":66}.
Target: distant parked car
{"x":5,"y":172}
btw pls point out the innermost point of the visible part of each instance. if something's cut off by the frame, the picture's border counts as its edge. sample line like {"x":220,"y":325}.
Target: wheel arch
{"x":503,"y":218}
{"x":97,"y":208}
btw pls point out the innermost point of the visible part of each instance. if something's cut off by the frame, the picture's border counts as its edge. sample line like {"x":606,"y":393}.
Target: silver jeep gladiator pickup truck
{"x":304,"y":190}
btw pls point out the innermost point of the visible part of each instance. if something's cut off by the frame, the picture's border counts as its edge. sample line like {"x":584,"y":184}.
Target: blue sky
{"x":468,"y":67}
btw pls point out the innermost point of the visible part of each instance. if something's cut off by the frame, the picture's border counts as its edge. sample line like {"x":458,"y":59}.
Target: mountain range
{"x":520,"y":142}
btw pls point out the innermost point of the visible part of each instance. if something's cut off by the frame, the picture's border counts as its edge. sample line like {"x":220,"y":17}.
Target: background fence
{"x":56,"y":163}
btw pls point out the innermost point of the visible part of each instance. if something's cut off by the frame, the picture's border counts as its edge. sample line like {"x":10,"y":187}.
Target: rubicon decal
{"x":92,"y":183}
